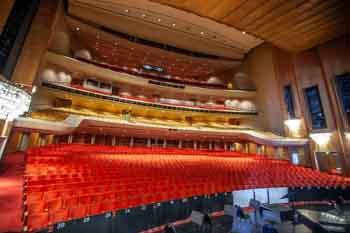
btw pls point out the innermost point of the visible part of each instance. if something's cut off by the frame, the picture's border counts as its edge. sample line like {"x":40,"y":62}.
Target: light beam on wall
{"x":293,"y":124}
{"x":321,"y":138}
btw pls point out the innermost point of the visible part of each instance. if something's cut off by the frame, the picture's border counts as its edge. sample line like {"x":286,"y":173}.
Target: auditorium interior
{"x":188,"y":116}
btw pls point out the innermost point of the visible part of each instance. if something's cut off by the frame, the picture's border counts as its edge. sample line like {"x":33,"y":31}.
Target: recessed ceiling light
{"x":173,"y":25}
{"x":243,"y":32}
{"x":126,"y":10}
{"x":143,"y":15}
{"x":202,"y":33}
{"x":78,"y":29}
{"x":159,"y":20}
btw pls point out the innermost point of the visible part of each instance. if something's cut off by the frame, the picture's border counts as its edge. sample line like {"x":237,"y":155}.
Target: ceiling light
{"x":202,"y":33}
{"x":126,"y":10}
{"x":243,"y":32}
{"x":173,"y":25}
{"x":143,"y":15}
{"x":159,"y":20}
{"x":77,"y":29}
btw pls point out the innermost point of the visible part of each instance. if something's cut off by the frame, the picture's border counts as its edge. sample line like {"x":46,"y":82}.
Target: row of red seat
{"x":64,"y":182}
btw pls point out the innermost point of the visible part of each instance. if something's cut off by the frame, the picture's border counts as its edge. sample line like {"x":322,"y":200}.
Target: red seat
{"x":78,"y":212}
{"x":58,"y":216}
{"x":37,"y":221}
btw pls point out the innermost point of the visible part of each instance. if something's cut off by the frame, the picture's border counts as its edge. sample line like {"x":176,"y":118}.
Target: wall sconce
{"x":347,"y":136}
{"x":321,"y":138}
{"x":293,"y":125}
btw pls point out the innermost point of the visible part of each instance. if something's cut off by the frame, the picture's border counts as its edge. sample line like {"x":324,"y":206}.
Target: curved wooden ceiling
{"x":294,"y":25}
{"x":167,"y":25}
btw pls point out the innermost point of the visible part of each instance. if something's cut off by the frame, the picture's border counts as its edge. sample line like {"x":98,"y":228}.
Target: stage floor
{"x":223,"y":224}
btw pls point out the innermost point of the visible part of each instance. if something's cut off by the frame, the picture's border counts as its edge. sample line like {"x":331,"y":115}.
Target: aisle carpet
{"x":11,"y":185}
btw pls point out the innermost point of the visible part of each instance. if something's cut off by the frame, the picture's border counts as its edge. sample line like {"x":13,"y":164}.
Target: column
{"x":195,"y":145}
{"x":13,"y":141}
{"x":70,"y":139}
{"x":246,"y":148}
{"x":210,"y":146}
{"x":114,"y":140}
{"x":164,"y":143}
{"x":252,"y":148}
{"x":33,"y":140}
{"x":180,"y":144}
{"x":93,"y":139}
{"x":50,"y":139}
{"x":149,"y":142}
{"x":131,"y":142}
{"x":225,"y":146}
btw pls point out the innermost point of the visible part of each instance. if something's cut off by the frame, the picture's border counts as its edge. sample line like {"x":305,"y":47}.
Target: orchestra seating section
{"x":67,"y":182}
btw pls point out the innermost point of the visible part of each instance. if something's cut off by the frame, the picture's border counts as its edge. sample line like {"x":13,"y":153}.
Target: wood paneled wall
{"x":260,"y":69}
{"x":37,"y":42}
{"x":318,"y":66}
{"x":5,"y":9}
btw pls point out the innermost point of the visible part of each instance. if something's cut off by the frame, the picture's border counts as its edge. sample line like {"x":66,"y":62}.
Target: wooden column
{"x":33,"y":140}
{"x":13,"y":141}
{"x":93,"y":139}
{"x":50,"y":138}
{"x":70,"y":139}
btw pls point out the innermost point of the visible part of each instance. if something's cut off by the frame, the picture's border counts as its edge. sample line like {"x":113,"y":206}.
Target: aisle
{"x":11,"y":185}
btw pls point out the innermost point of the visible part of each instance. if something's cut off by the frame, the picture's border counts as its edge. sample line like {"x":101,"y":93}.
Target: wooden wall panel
{"x":309,"y":73}
{"x":37,"y":42}
{"x":260,"y":69}
{"x":319,"y":66}
{"x":335,"y":59}
{"x":5,"y":9}
{"x":285,"y":75}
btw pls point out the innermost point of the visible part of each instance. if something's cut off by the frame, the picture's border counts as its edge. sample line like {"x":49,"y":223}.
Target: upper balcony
{"x":108,"y":73}
{"x":157,"y":64}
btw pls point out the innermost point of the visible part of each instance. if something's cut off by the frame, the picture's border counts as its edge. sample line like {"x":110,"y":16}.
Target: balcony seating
{"x":65,"y":182}
{"x":154,"y":76}
{"x":153,"y":101}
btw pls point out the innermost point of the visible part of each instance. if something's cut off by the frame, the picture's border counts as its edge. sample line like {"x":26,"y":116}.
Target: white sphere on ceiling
{"x":83,"y":53}
{"x":68,"y":78}
{"x":49,"y":75}
{"x":214,"y":80}
{"x":247,"y":105}
{"x":232,"y":103}
{"x":62,"y":77}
